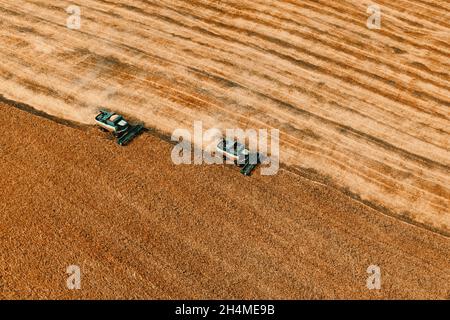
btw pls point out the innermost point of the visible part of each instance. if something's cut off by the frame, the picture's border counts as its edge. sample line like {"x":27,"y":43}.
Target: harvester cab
{"x":115,"y":123}
{"x":231,"y":149}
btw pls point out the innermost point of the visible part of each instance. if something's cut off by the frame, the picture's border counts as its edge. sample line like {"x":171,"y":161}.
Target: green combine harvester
{"x":115,"y":123}
{"x":241,"y":156}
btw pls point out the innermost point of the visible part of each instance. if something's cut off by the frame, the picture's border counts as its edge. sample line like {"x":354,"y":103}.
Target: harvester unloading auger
{"x":115,"y":123}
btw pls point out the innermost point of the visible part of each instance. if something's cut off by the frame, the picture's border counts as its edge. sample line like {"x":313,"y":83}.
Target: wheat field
{"x":140,"y":227}
{"x":363,"y":110}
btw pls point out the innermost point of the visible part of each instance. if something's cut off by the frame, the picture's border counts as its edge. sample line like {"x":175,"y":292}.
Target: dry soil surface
{"x":141,"y":227}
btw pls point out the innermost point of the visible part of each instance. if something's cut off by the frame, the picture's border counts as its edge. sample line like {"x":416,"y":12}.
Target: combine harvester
{"x":115,"y":123}
{"x":231,"y":149}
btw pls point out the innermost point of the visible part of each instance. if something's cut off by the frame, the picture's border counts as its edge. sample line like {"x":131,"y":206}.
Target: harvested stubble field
{"x":363,"y":113}
{"x":141,"y":227}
